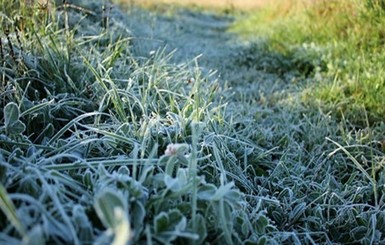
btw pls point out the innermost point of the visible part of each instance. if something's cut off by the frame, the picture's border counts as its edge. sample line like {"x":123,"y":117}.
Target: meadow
{"x":128,"y":125}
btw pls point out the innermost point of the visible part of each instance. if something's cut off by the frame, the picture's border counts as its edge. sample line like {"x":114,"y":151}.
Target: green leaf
{"x":358,"y":232}
{"x":84,"y":227}
{"x":201,"y":228}
{"x":87,"y":179}
{"x":234,"y":196}
{"x":161,"y":222}
{"x":262,"y":240}
{"x":111,"y":210}
{"x":178,"y":183}
{"x":261,"y":225}
{"x":171,"y":221}
{"x":11,"y":114}
{"x":37,"y":108}
{"x":206,"y":192}
{"x":177,"y":220}
{"x":222,"y":191}
{"x":106,"y":204}
{"x":17,"y":127}
{"x":297,"y":211}
{"x":138,"y":215}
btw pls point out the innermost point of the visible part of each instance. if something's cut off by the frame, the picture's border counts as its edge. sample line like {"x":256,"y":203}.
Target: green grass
{"x":341,"y":43}
{"x":101,"y":145}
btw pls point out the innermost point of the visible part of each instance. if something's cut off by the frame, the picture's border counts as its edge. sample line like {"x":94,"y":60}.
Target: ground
{"x":234,"y":4}
{"x":206,"y":36}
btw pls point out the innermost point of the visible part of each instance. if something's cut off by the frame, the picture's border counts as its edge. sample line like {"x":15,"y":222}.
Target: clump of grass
{"x":342,"y":40}
{"x":86,"y":130}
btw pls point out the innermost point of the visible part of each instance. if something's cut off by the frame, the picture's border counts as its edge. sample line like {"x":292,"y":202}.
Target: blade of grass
{"x":9,"y":209}
{"x":358,"y":165}
{"x":72,"y":123}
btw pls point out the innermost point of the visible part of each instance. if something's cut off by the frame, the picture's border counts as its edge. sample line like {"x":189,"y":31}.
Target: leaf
{"x":84,"y":227}
{"x":178,"y":183}
{"x":234,"y":196}
{"x":201,"y":228}
{"x":138,"y":215}
{"x":122,"y":230}
{"x":161,"y":222}
{"x":278,"y":217}
{"x":11,"y":114}
{"x":11,"y":119}
{"x":170,"y":165}
{"x":358,"y":232}
{"x":105,"y":205}
{"x":177,"y":220}
{"x":111,"y":210}
{"x":171,"y":221}
{"x":87,"y":179}
{"x":262,"y":240}
{"x":206,"y":192}
{"x":17,"y":127}
{"x":37,"y":107}
{"x":171,"y":225}
{"x":261,"y":225}
{"x":297,"y":212}
{"x":35,"y":236}
{"x":124,"y":170}
{"x":222,"y":191}
{"x":242,"y":225}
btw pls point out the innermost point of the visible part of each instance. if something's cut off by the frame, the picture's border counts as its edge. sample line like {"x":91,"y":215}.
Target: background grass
{"x":90,"y":120}
{"x":340,"y":41}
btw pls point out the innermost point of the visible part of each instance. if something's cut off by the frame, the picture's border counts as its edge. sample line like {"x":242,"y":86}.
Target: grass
{"x":99,"y":144}
{"x":340,"y":41}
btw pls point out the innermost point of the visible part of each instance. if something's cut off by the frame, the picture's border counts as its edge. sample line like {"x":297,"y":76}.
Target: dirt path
{"x":224,"y":4}
{"x":202,"y":33}
{"x":193,"y":34}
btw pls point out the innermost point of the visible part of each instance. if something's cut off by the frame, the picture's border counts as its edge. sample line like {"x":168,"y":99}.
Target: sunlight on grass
{"x":341,"y":39}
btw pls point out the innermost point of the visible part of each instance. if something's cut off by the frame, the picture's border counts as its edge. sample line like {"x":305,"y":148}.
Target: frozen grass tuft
{"x":87,"y":137}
